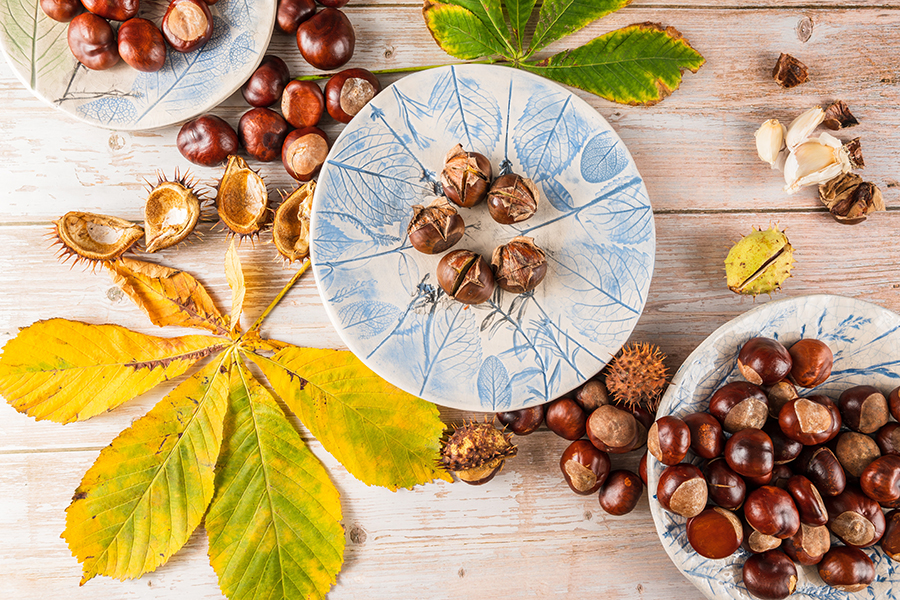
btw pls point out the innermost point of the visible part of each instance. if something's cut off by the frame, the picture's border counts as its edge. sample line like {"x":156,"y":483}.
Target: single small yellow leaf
{"x":168,"y":296}
{"x":67,"y":371}
{"x":274,"y":522}
{"x":235,"y":277}
{"x":148,"y":490}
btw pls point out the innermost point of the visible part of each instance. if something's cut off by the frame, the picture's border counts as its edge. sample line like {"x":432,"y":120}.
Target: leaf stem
{"x":303,"y":268}
{"x":487,"y":61}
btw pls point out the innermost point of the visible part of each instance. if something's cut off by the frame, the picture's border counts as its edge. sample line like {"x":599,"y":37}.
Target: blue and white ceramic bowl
{"x":865,"y":339}
{"x":122,"y":98}
{"x":594,"y":221}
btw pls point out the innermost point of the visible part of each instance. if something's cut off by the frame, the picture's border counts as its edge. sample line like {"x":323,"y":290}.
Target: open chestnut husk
{"x":764,"y":361}
{"x":93,"y":41}
{"x":621,"y":492}
{"x":524,"y":420}
{"x":207,"y":140}
{"x":347,"y":92}
{"x":265,"y":86}
{"x":435,"y":228}
{"x":303,"y":152}
{"x":584,"y":467}
{"x":62,"y":10}
{"x":475,"y":452}
{"x":141,"y":45}
{"x":465,"y":276}
{"x":291,"y":13}
{"x":187,"y":24}
{"x":512,"y":199}
{"x":519,"y":265}
{"x":770,"y":575}
{"x":302,"y":103}
{"x":326,"y":40}
{"x":114,"y":10}
{"x":465,"y":177}
{"x":262,"y":132}
{"x":847,"y":569}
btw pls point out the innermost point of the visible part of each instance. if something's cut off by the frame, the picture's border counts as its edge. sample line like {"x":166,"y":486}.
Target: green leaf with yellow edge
{"x":460,"y":33}
{"x":66,"y":371}
{"x":274,"y":522}
{"x":559,"y":18}
{"x":235,"y":277}
{"x":148,"y":490}
{"x":490,"y":13}
{"x":168,"y":296}
{"x":382,"y":435}
{"x":519,"y":12}
{"x":638,"y":64}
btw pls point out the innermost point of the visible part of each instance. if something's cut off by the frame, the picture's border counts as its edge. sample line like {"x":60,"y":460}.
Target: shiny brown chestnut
{"x":771,"y":510}
{"x":466,"y":276}
{"x":302,"y":103}
{"x":465,"y":177}
{"x":621,"y":492}
{"x":757,"y":542}
{"x":642,"y":467}
{"x":512,"y":199}
{"x":334,"y":3}
{"x":894,"y":403}
{"x":141,"y":45}
{"x":206,"y":140}
{"x":524,"y":420}
{"x":265,"y":86}
{"x":888,"y":438}
{"x":725,"y":487}
{"x":812,"y":360}
{"x":750,"y":453}
{"x":347,"y":92}
{"x":668,"y":440}
{"x":614,"y":430}
{"x":303,"y":152}
{"x":62,"y":10}
{"x":823,"y":468}
{"x":780,"y":394}
{"x":890,"y":541}
{"x":187,"y":24}
{"x":707,"y":440}
{"x":592,"y":395}
{"x":739,"y":405}
{"x":781,"y":474}
{"x":326,"y":40}
{"x":770,"y":575}
{"x":93,"y":41}
{"x":261,"y":132}
{"x":682,"y":490}
{"x":855,"y":518}
{"x":764,"y":361}
{"x":847,"y":569}
{"x":584,"y":467}
{"x":715,"y":533}
{"x":880,"y":481}
{"x":786,"y":449}
{"x":435,"y":228}
{"x":808,"y":545}
{"x":808,"y":501}
{"x":566,"y":419}
{"x":811,"y":420}
{"x":291,"y":13}
{"x":114,"y":10}
{"x":856,"y":451}
{"x":863,"y":408}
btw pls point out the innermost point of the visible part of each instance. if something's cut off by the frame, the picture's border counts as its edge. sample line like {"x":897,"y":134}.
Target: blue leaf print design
{"x":410,"y":109}
{"x":341,"y":238}
{"x":604,"y":157}
{"x":557,"y":195}
{"x":468,"y":113}
{"x":624,"y":217}
{"x":242,"y":49}
{"x":449,"y":333}
{"x":112,"y":110}
{"x":494,"y":389}
{"x":368,"y":318}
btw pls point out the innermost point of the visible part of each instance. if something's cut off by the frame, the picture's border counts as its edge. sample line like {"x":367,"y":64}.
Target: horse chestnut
{"x":764,"y":361}
{"x":115,"y":10}
{"x":347,"y":92}
{"x":291,"y":13}
{"x":584,"y":467}
{"x":621,"y":492}
{"x":326,"y":40}
{"x":302,"y":103}
{"x":93,"y":41}
{"x":187,"y":24}
{"x":812,"y":361}
{"x":62,"y":10}
{"x":141,"y":45}
{"x":770,"y":575}
{"x":566,"y":419}
{"x":304,"y":152}
{"x":262,"y":132}
{"x":524,"y":420}
{"x":265,"y":86}
{"x":206,"y":140}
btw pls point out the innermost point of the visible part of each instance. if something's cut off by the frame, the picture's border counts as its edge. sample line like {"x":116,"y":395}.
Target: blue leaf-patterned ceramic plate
{"x":122,"y":98}
{"x":594,"y":222}
{"x":865,"y":339}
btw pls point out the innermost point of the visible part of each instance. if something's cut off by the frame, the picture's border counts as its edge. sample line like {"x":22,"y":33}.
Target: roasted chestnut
{"x":565,"y":418}
{"x":512,"y":199}
{"x":347,"y":92}
{"x":436,"y":227}
{"x":707,"y":440}
{"x":304,"y":151}
{"x":739,"y":405}
{"x":115,"y":10}
{"x":141,"y":45}
{"x":810,"y":421}
{"x":764,"y":361}
{"x":262,"y":131}
{"x":725,"y":487}
{"x":863,"y":408}
{"x":750,"y":453}
{"x":187,"y":24}
{"x":808,"y":501}
{"x":465,"y":177}
{"x":614,"y":430}
{"x":93,"y":41}
{"x":811,"y":362}
{"x":855,"y":518}
{"x":847,"y":569}
{"x":206,"y":140}
{"x":771,"y":510}
{"x":822,"y":467}
{"x":682,"y":489}
{"x":524,"y":420}
{"x":715,"y":533}
{"x":265,"y":86}
{"x":668,"y":440}
{"x":880,"y":481}
{"x":326,"y":40}
{"x":808,"y":545}
{"x":466,"y":276}
{"x":519,"y":265}
{"x":770,"y":575}
{"x":302,"y":103}
{"x":62,"y":10}
{"x":856,"y":451}
{"x":584,"y":467}
{"x":621,"y":492}
{"x":592,"y":395}
{"x":291,"y":13}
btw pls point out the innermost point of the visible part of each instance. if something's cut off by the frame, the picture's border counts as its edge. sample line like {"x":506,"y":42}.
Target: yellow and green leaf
{"x":460,"y":33}
{"x":66,"y":371}
{"x":559,"y":18}
{"x":490,"y":13}
{"x":519,"y":12}
{"x":274,"y":522}
{"x":148,"y":490}
{"x":235,"y":277}
{"x":381,"y":434}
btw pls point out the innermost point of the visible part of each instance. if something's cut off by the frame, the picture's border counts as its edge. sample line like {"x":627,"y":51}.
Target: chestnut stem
{"x":303,"y":268}
{"x":489,"y":61}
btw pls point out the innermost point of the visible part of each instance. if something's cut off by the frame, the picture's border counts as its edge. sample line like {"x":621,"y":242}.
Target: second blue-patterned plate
{"x":594,"y":222}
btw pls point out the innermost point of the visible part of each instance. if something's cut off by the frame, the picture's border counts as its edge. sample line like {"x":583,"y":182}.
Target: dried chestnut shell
{"x":847,"y":569}
{"x":855,"y":518}
{"x":262,"y":132}
{"x":808,"y":501}
{"x":725,"y":487}
{"x":465,"y":177}
{"x":880,"y":481}
{"x":822,"y":467}
{"x":141,"y":45}
{"x":512,"y":199}
{"x":812,"y":420}
{"x":62,"y":10}
{"x":291,"y":13}
{"x":206,"y":140}
{"x":621,"y":492}
{"x":739,"y":405}
{"x":304,"y":151}
{"x":115,"y":10}
{"x":93,"y":41}
{"x":770,"y":575}
{"x":187,"y":24}
{"x":715,"y":533}
{"x":668,"y":440}
{"x":519,"y":265}
{"x":347,"y":92}
{"x":524,"y":420}
{"x":812,"y":360}
{"x":750,"y":453}
{"x":890,"y":541}
{"x":856,"y":451}
{"x":613,"y":430}
{"x":466,"y":276}
{"x":764,"y":361}
{"x":808,"y":545}
{"x":565,"y":418}
{"x":265,"y":85}
{"x":435,"y":228}
{"x":707,"y":440}
{"x":302,"y":103}
{"x":326,"y":40}
{"x":771,"y":510}
{"x":682,"y":490}
{"x":584,"y":467}
{"x":863,"y":408}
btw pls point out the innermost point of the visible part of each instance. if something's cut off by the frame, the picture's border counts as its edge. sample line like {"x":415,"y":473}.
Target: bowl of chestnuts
{"x":481,"y":238}
{"x":774,"y":467}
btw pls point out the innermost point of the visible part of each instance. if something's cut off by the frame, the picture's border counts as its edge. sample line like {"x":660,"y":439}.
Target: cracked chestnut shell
{"x":141,"y":45}
{"x":519,"y":265}
{"x":436,"y":227}
{"x":187,"y":24}
{"x":347,"y":92}
{"x":466,"y":276}
{"x":466,"y":176}
{"x":512,"y":199}
{"x":291,"y":13}
{"x":264,"y":87}
{"x":207,"y":140}
{"x":326,"y":40}
{"x":584,"y":467}
{"x":303,"y":152}
{"x":93,"y":41}
{"x":115,"y":10}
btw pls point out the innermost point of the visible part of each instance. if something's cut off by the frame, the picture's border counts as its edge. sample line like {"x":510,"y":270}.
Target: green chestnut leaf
{"x":559,"y":18}
{"x":460,"y":33}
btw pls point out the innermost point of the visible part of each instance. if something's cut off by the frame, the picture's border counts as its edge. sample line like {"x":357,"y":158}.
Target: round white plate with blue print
{"x":865,"y":339}
{"x":594,"y":221}
{"x":123,"y":98}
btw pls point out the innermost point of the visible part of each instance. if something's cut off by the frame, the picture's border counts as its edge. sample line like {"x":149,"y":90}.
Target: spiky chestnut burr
{"x":475,"y":452}
{"x":759,"y":263}
{"x":636,"y":376}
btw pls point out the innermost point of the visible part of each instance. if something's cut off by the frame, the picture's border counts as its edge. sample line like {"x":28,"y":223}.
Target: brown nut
{"x":822,"y":467}
{"x":880,"y":481}
{"x":812,"y":360}
{"x":206,"y":140}
{"x":566,"y":419}
{"x":808,"y":545}
{"x":764,"y":361}
{"x":262,"y":132}
{"x":435,"y":228}
{"x":613,"y":430}
{"x":519,"y":265}
{"x":187,"y":24}
{"x":771,"y":510}
{"x":524,"y":420}
{"x":265,"y":86}
{"x":888,"y":438}
{"x":114,"y":10}
{"x":642,"y":467}
{"x":93,"y":41}
{"x":739,"y":405}
{"x":770,"y":575}
{"x":725,"y":487}
{"x":668,"y":440}
{"x":894,"y":403}
{"x":855,"y":518}
{"x":786,"y":449}
{"x":715,"y":533}
{"x":291,"y":13}
{"x":890,"y":541}
{"x":682,"y":490}
{"x":62,"y":10}
{"x":512,"y":199}
{"x":584,"y":467}
{"x":621,"y":492}
{"x":466,"y":176}
{"x":592,"y":395}
{"x":326,"y":40}
{"x":780,"y":394}
{"x":808,"y":501}
{"x":304,"y":151}
{"x":781,"y":474}
{"x":707,"y":440}
{"x":847,"y":569}
{"x":856,"y":451}
{"x":757,"y":542}
{"x":812,"y":420}
{"x":863,"y":408}
{"x":302,"y":103}
{"x":141,"y":45}
{"x":347,"y":92}
{"x":750,"y":453}
{"x":466,"y":276}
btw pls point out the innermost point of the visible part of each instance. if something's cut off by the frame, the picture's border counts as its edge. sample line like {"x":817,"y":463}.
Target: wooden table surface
{"x":523,"y":535}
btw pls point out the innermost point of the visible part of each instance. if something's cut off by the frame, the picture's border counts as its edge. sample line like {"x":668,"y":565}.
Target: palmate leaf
{"x":235,"y":277}
{"x":638,"y":64}
{"x":460,"y":33}
{"x":274,"y":523}
{"x":67,"y":371}
{"x":559,"y":18}
{"x":519,"y":12}
{"x":382,"y":435}
{"x":490,"y":13}
{"x":148,"y":490}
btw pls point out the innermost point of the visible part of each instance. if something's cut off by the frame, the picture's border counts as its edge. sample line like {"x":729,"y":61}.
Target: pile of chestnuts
{"x":517,"y":266}
{"x":779,"y":476}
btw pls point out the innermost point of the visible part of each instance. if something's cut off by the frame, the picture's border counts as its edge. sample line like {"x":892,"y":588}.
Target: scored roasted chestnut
{"x":302,"y":103}
{"x":524,"y":420}
{"x":565,"y":418}
{"x":847,"y":569}
{"x":141,"y":45}
{"x":291,"y":13}
{"x":668,"y":440}
{"x":621,"y":492}
{"x":264,"y":87}
{"x":62,"y":10}
{"x":93,"y":41}
{"x":519,"y":265}
{"x":764,"y":361}
{"x":326,"y":40}
{"x":512,"y":199}
{"x":739,"y":405}
{"x":206,"y":140}
{"x":466,"y":276}
{"x":187,"y":24}
{"x":715,"y":533}
{"x":682,"y":489}
{"x":304,"y":152}
{"x":115,"y":10}
{"x":863,"y":408}
{"x":466,"y":176}
{"x":347,"y":92}
{"x":770,"y":575}
{"x":811,"y":362}
{"x":262,"y":132}
{"x":584,"y":467}
{"x":436,"y":227}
